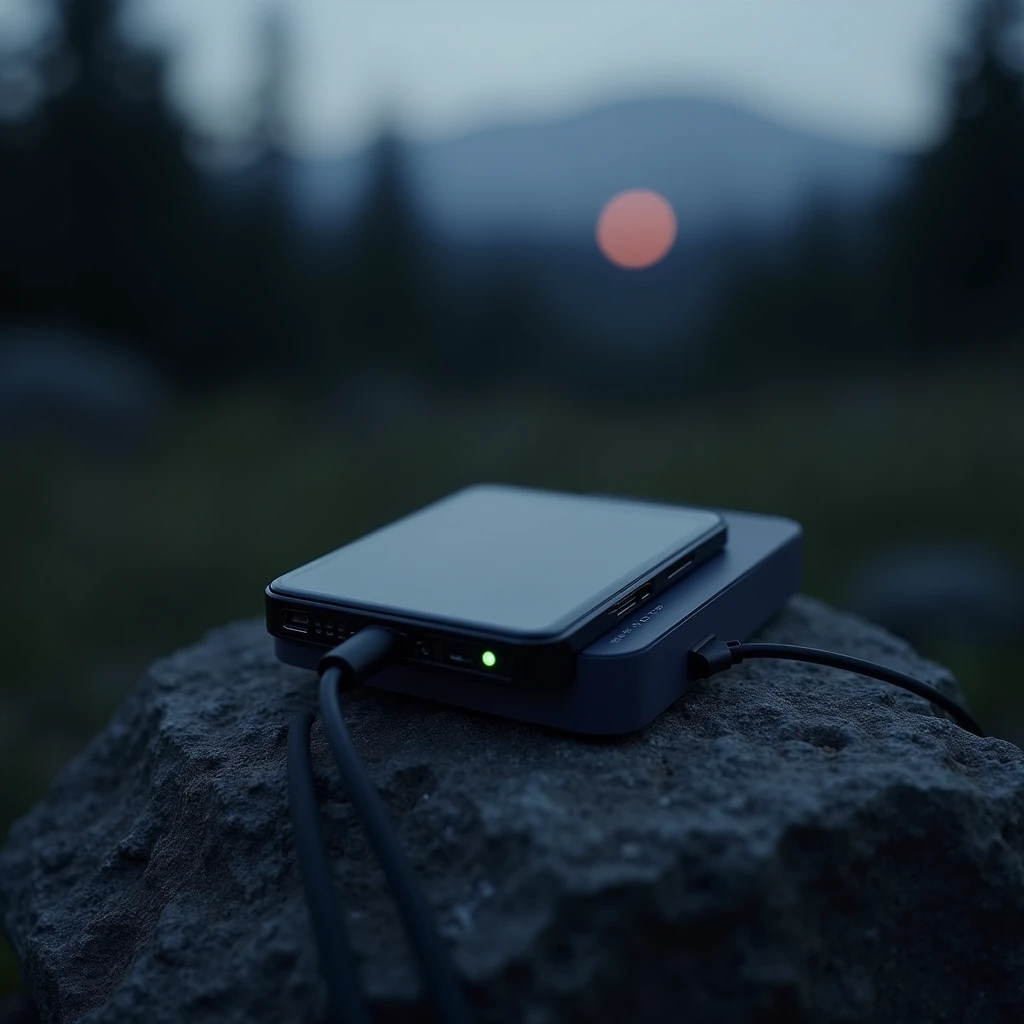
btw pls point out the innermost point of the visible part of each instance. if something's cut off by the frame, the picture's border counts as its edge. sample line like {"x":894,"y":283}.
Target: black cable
{"x":437,"y":972}
{"x":336,"y":959}
{"x":348,"y":664}
{"x":712,"y":656}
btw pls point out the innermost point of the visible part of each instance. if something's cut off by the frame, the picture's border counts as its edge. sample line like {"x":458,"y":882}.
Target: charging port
{"x":627,"y":604}
{"x":295,"y":622}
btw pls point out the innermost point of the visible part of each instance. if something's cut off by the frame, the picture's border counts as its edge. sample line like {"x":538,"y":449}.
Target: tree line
{"x":110,"y":225}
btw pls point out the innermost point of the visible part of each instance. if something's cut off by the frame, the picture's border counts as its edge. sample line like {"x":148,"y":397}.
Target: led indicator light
{"x":489,"y":658}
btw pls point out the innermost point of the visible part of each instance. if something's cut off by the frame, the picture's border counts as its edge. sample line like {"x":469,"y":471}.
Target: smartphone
{"x":506,"y":583}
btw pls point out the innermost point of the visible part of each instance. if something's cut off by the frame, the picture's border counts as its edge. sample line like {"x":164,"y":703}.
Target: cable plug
{"x":711,"y":656}
{"x":363,"y":655}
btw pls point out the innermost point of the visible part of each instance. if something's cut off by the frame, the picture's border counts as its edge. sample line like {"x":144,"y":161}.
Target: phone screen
{"x":503,"y":558}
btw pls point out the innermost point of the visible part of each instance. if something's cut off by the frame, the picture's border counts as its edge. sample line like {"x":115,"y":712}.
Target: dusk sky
{"x":864,"y":70}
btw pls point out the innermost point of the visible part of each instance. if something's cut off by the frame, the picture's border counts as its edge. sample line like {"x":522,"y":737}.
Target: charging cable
{"x":347,"y":665}
{"x":712,"y":656}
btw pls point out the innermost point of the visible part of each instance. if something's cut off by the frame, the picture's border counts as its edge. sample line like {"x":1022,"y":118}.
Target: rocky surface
{"x":787,"y":843}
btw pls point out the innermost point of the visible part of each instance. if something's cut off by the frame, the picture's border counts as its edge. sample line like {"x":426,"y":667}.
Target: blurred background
{"x":272,"y":274}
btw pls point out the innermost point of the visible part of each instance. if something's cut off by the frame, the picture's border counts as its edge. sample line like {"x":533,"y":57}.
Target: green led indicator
{"x":489,"y":658}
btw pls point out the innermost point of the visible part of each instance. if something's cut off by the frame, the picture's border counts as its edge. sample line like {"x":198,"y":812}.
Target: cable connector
{"x":711,"y":656}
{"x":363,"y":655}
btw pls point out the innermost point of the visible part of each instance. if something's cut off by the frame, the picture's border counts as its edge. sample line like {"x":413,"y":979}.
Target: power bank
{"x":638,"y":668}
{"x":502,"y":582}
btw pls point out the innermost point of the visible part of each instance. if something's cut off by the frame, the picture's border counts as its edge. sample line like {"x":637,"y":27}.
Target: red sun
{"x":636,"y":229}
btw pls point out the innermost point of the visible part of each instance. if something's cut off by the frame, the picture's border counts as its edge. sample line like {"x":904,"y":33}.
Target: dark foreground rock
{"x":785,"y":844}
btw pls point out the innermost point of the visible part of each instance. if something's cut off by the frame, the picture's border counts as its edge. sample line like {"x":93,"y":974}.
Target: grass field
{"x":110,"y":563}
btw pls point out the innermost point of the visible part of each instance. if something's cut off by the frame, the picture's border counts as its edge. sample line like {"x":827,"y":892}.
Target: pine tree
{"x":111,"y":200}
{"x":955,"y":262}
{"x":388,"y":311}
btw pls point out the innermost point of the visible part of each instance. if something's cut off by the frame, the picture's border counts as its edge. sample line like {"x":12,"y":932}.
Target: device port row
{"x":298,"y":623}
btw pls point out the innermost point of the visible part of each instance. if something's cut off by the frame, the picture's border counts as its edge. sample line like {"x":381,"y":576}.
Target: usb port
{"x":627,"y":604}
{"x":295,"y":622}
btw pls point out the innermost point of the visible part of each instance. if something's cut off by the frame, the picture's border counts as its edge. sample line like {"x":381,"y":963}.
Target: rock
{"x":787,"y":843}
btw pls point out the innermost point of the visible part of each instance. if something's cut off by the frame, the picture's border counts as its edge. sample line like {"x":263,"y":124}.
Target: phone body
{"x":506,"y":583}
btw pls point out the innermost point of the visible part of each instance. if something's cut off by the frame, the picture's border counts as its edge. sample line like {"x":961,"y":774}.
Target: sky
{"x":861,"y":70}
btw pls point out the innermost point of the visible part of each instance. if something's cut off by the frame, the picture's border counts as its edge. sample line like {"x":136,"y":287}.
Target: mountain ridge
{"x":718,"y":163}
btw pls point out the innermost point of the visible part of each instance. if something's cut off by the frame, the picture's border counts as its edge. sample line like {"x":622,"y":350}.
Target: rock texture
{"x":787,"y":843}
